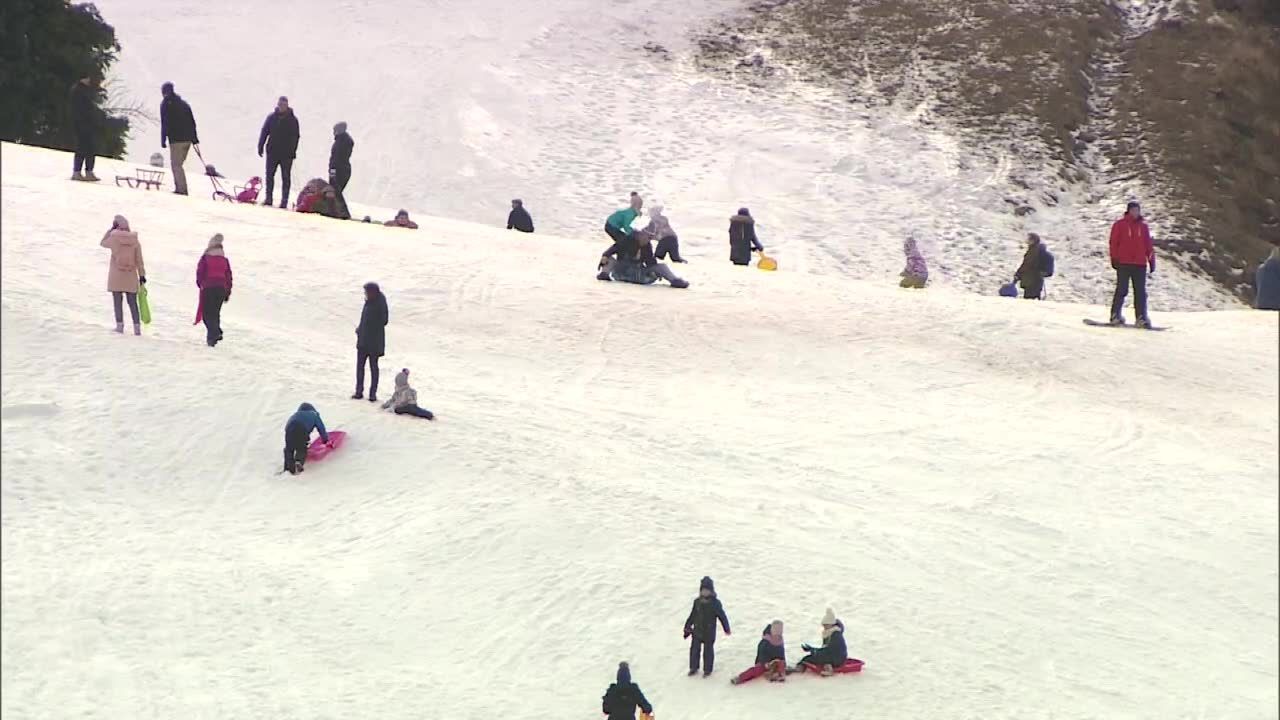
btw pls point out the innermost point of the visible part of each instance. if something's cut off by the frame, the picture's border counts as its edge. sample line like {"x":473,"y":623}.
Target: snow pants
{"x":211,"y":298}
{"x":85,"y":151}
{"x":1137,"y":276}
{"x":659,"y":269}
{"x":669,"y":245}
{"x":914,"y":282}
{"x":415,"y":411}
{"x":773,"y":668}
{"x":705,"y":649}
{"x":296,"y":440}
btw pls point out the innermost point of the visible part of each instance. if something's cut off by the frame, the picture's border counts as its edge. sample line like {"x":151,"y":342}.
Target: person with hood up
{"x":402,"y":220}
{"x":340,"y":158}
{"x":742,"y":238}
{"x":519,"y":218}
{"x":297,"y":436}
{"x":668,"y":243}
{"x":701,"y":625}
{"x":279,"y":140}
{"x":404,"y":401}
{"x":213,"y":278}
{"x":833,"y":652}
{"x":916,"y":272}
{"x":1267,"y":282}
{"x":84,"y":123}
{"x":178,"y":131}
{"x":1132,"y":255}
{"x":1037,"y":264}
{"x":623,"y":697}
{"x":771,"y":657}
{"x":126,"y":272}
{"x":371,"y":339}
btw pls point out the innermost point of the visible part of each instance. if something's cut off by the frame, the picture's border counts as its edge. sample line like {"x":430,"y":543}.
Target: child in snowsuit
{"x":622,"y":697}
{"x":833,"y":652}
{"x":916,"y":273}
{"x":660,"y":228}
{"x":404,"y":401}
{"x":213,"y":278}
{"x":742,"y":238}
{"x":297,"y":435}
{"x":519,"y":218}
{"x":125,"y":272}
{"x":702,"y":626}
{"x":771,"y":657}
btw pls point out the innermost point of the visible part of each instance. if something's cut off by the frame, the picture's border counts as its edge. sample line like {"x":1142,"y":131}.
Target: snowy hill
{"x":1016,"y":516}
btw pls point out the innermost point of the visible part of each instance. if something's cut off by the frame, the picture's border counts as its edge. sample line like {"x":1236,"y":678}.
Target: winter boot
{"x":1144,"y":323}
{"x":1117,"y":320}
{"x":77,"y":176}
{"x":268,"y":203}
{"x":603,"y":276}
{"x":284,"y":204}
{"x":373,"y":398}
{"x":120,"y":328}
{"x":90,"y":177}
{"x":734,"y":680}
{"x":137,"y":328}
{"x":359,"y":395}
{"x":828,"y":671}
{"x":679,"y":283}
{"x":693,"y":672}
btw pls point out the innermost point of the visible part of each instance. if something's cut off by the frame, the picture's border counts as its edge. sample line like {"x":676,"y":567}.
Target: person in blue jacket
{"x":1268,"y":282}
{"x":297,"y":435}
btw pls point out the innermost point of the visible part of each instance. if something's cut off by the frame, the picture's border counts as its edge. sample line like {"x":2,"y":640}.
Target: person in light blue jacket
{"x":1268,"y":282}
{"x":297,"y":435}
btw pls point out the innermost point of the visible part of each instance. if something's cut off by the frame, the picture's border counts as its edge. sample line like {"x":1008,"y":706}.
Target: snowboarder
{"x":519,"y":218}
{"x":634,"y":262}
{"x":1132,"y":256}
{"x":402,"y":220}
{"x":126,"y":272}
{"x":833,"y":652}
{"x":340,"y":158}
{"x":916,"y":272}
{"x":742,"y":237}
{"x":701,"y":625}
{"x":178,"y":131}
{"x":404,"y":401}
{"x":660,"y":228}
{"x":771,"y":657}
{"x":622,"y":697}
{"x":1037,"y":264}
{"x":279,"y":140}
{"x":84,"y":122}
{"x":213,"y":278}
{"x":371,"y":339}
{"x":1267,"y":282}
{"x":297,"y":435}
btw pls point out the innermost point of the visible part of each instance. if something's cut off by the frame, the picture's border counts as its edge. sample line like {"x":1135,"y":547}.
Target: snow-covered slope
{"x":1016,"y":516}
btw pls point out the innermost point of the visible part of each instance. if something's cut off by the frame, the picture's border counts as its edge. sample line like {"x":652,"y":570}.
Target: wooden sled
{"x":144,"y":179}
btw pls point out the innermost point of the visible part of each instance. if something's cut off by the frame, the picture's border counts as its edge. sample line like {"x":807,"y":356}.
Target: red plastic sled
{"x":318,"y":450}
{"x":199,"y":310}
{"x":852,"y":665}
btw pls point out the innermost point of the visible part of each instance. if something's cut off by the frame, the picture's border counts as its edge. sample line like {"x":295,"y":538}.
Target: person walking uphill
{"x":84,"y":122}
{"x":213,"y":278}
{"x":701,"y":625}
{"x":178,"y":131}
{"x":297,"y":436}
{"x":1037,"y":264}
{"x":623,"y":697}
{"x":279,"y":140}
{"x":742,"y":237}
{"x":1132,"y":255}
{"x":126,"y":272}
{"x":340,"y":158}
{"x":371,"y":339}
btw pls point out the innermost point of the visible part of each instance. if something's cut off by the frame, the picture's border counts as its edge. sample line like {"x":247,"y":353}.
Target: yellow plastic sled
{"x":766,"y":262}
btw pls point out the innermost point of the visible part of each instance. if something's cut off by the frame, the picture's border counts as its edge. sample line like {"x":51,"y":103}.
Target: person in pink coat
{"x":213,"y":278}
{"x":126,"y":272}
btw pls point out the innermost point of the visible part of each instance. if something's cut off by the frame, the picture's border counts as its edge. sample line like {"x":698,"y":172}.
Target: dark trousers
{"x":615,"y":234}
{"x":708,"y":652}
{"x":85,"y":150}
{"x":212,"y":298}
{"x":339,"y":177}
{"x":1032,"y":293}
{"x":669,"y":245}
{"x":415,"y":411}
{"x":295,"y":448}
{"x":361,"y":357}
{"x":1137,"y":276}
{"x":286,"y":176}
{"x":117,"y":299}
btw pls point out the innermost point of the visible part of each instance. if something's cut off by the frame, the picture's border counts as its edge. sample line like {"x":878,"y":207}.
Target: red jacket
{"x":1131,"y":242}
{"x":213,"y":271}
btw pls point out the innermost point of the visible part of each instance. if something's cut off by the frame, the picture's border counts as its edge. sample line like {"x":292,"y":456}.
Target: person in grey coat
{"x":668,"y":242}
{"x":404,"y":401}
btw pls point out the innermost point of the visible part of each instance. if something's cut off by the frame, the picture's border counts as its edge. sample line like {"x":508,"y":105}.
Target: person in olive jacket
{"x":701,"y":625}
{"x":279,"y":140}
{"x":622,"y":697}
{"x":371,"y":339}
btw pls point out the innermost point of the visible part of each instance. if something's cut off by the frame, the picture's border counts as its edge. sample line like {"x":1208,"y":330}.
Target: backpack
{"x":1046,"y":263}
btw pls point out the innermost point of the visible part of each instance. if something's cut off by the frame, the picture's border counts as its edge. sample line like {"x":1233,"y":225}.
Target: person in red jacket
{"x":213,"y":277}
{"x":1132,"y":255}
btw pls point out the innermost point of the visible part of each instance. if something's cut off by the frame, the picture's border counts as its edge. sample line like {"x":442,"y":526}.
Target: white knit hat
{"x":829,"y":618}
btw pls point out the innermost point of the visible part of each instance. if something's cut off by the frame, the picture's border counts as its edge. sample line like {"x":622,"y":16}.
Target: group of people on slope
{"x":631,"y":258}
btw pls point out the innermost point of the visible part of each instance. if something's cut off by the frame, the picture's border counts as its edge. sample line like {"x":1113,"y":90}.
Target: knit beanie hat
{"x":707,"y":585}
{"x":829,"y":618}
{"x":215,"y":241}
{"x":339,"y":128}
{"x":624,"y":674}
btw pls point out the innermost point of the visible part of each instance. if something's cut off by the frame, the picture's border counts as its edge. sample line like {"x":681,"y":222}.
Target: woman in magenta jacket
{"x":213,"y":277}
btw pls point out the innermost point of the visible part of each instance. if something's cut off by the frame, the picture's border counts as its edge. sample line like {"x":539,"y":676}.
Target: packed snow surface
{"x":1016,"y":516}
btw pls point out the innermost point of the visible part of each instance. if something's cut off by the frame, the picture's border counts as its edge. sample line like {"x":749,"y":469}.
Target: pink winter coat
{"x":126,"y":260}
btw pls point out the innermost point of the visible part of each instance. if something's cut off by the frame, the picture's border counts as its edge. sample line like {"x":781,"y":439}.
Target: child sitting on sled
{"x":404,"y":401}
{"x":833,"y":652}
{"x":297,"y":435}
{"x":771,"y":657}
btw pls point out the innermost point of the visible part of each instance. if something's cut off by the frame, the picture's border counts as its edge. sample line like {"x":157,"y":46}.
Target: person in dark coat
{"x":279,"y":140}
{"x":340,"y":158}
{"x":771,"y":657}
{"x":178,"y":131}
{"x":519,"y":218}
{"x":84,"y":122}
{"x":1037,"y":264}
{"x":833,"y":652}
{"x":297,"y":435}
{"x":623,"y":697}
{"x":371,"y":339}
{"x":742,"y":238}
{"x":701,"y":625}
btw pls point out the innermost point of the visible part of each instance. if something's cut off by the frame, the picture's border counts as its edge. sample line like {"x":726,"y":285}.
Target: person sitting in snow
{"x":916,"y":273}
{"x":404,"y":401}
{"x":1037,"y":264}
{"x":833,"y":652}
{"x":742,"y":238}
{"x":213,"y":279}
{"x":622,"y":697}
{"x":632,"y":261}
{"x":668,"y":243}
{"x":297,"y":436}
{"x":701,"y":625}
{"x":402,"y":220}
{"x":771,"y":657}
{"x":331,"y":204}
{"x":519,"y":218}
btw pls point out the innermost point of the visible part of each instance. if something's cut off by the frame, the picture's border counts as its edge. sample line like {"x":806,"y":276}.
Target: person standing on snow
{"x":1132,"y":256}
{"x":279,"y":140}
{"x":833,"y":652}
{"x":623,"y":697}
{"x":519,"y":218}
{"x":371,"y":339}
{"x":340,"y":158}
{"x":213,"y":278}
{"x":742,"y":238}
{"x":660,"y":228}
{"x":916,"y":272}
{"x":404,"y":401}
{"x":84,"y":123}
{"x":1267,"y":282}
{"x":1037,"y":264}
{"x":178,"y":131}
{"x":297,"y":436}
{"x":701,"y":625}
{"x":126,"y":272}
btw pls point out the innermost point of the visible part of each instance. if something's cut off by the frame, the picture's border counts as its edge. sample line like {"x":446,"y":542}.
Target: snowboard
{"x":1096,"y":323}
{"x":144,"y":307}
{"x":852,"y":665}
{"x":319,"y":451}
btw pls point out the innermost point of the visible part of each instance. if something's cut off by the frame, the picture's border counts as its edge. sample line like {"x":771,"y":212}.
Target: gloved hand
{"x":259,"y":152}
{"x":162,"y":144}
{"x":687,"y":633}
{"x":1115,"y":265}
{"x":142,"y":279}
{"x":227,"y":299}
{"x":806,"y":647}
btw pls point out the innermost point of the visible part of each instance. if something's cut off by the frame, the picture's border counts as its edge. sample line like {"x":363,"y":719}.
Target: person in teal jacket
{"x":618,"y":226}
{"x":297,"y":435}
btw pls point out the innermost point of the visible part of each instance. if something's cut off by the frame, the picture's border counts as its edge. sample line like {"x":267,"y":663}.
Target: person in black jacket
{"x":742,"y":237}
{"x":340,"y":158}
{"x":833,"y":652}
{"x":702,"y":626}
{"x":519,"y":218}
{"x":1037,"y":264}
{"x":622,"y":697}
{"x":178,"y":131}
{"x":371,"y":339}
{"x":84,"y":122}
{"x":279,"y":139}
